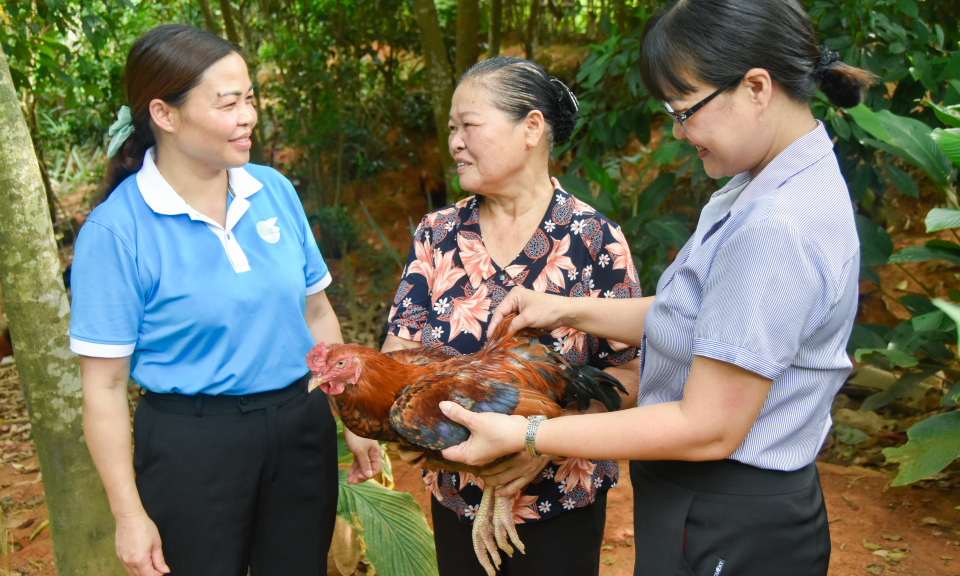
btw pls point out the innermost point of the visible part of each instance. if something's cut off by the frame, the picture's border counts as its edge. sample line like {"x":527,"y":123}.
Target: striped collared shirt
{"x":772,"y":289}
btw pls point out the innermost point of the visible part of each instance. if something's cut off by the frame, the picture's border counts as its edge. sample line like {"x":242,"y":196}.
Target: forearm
{"x":614,"y":319}
{"x":322,"y":320}
{"x":106,"y":429}
{"x":657,"y":432}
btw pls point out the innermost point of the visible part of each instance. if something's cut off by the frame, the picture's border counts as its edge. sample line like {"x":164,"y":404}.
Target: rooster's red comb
{"x":317,"y":357}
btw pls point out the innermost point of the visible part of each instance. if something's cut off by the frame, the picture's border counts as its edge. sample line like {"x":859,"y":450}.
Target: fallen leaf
{"x":608,"y":560}
{"x":870,"y":545}
{"x":890,"y":538}
{"x":901,"y":286}
{"x":850,"y":502}
{"x":876,"y":568}
{"x":881,"y":553}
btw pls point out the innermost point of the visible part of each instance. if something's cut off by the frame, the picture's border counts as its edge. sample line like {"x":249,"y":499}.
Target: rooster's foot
{"x":491,"y":528}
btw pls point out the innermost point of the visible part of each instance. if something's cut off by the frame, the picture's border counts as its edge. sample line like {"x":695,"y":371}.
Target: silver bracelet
{"x":531,"y":436}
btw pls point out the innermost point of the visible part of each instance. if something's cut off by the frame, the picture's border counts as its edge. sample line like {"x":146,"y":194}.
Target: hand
{"x":492,"y":435}
{"x":138,"y":546}
{"x":366,"y":457}
{"x":534,"y":310}
{"x":513,"y":475}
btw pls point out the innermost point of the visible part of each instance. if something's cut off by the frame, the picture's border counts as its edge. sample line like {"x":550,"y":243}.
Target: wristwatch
{"x":531,"y":437}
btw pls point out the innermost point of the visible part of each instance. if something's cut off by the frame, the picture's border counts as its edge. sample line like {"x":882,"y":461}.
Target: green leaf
{"x":950,"y":309}
{"x":666,"y":153}
{"x":908,"y":7}
{"x":903,"y":181}
{"x":933,"y":444}
{"x":899,"y":389}
{"x":933,"y":321}
{"x":868,"y":120}
{"x":650,"y":198}
{"x":864,"y":336}
{"x":949,"y":115}
{"x":849,"y":436}
{"x":949,"y":141}
{"x":599,"y":175}
{"x":395,"y":534}
{"x":669,"y":230}
{"x":907,"y":138}
{"x":580,"y":187}
{"x":893,"y":356}
{"x":925,"y":254}
{"x":875,"y":244}
{"x":942,"y":219}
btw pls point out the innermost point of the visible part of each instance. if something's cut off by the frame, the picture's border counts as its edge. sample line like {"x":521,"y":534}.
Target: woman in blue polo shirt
{"x":199,"y":277}
{"x":743,"y":346}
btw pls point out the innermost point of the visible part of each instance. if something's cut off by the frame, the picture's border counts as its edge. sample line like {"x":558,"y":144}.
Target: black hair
{"x":519,"y":86}
{"x":717,"y":41}
{"x":166,"y":63}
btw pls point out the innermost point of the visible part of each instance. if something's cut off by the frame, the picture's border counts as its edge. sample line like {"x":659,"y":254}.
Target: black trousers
{"x":566,"y":545}
{"x":717,"y":518}
{"x":239,"y":481}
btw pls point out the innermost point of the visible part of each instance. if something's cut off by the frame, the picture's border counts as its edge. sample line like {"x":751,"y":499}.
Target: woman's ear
{"x":164,"y":116}
{"x":535,"y":127}
{"x":760,"y":87}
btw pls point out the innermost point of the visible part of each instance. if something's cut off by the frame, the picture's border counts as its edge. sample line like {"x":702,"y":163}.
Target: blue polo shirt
{"x":771,"y":287}
{"x":199,"y":307}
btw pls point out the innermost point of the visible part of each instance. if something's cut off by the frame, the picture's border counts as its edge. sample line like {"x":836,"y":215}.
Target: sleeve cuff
{"x":738,"y":357}
{"x":321,"y":285}
{"x":95,"y":350}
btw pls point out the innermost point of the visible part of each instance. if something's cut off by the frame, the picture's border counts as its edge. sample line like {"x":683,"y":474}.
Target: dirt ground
{"x":874,"y":528}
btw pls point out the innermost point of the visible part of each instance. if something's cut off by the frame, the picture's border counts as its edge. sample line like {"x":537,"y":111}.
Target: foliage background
{"x":346,"y":111}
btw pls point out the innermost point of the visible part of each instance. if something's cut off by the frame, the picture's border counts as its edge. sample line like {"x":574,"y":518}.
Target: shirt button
{"x":502,"y":277}
{"x":244,"y":400}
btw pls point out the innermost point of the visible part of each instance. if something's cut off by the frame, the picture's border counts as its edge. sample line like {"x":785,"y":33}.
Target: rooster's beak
{"x":315,"y":382}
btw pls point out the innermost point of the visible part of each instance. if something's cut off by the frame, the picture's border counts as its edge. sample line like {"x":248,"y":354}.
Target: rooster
{"x":394,"y":397}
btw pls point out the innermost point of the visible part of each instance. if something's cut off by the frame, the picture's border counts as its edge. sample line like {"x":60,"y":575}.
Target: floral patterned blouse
{"x":451,"y":286}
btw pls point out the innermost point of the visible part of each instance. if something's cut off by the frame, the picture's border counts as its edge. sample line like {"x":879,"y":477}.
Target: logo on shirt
{"x":268,"y":231}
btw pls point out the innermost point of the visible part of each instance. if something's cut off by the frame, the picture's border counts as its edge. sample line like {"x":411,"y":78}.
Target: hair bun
{"x":568,"y":111}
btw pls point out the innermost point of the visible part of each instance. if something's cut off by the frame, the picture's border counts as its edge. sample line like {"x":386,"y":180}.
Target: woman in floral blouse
{"x":520,"y":229}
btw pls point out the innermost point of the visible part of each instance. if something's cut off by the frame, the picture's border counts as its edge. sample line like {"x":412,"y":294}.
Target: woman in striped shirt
{"x":743,"y":346}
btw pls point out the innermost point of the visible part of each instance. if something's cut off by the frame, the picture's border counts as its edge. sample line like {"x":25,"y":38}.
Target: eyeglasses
{"x":681,"y":117}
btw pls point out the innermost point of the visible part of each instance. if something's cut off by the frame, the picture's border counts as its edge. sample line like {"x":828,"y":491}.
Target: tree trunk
{"x":468,"y":30}
{"x":440,"y":82}
{"x":532,"y":27}
{"x":494,"y":28}
{"x":228,"y":22}
{"x":208,"y":20}
{"x":81,"y":526}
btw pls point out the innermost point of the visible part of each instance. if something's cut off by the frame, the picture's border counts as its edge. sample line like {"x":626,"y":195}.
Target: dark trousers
{"x":566,"y":545}
{"x":718,"y":518}
{"x":239,"y":481}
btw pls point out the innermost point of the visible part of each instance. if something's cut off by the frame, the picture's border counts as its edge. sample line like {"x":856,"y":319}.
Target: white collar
{"x":163,"y":199}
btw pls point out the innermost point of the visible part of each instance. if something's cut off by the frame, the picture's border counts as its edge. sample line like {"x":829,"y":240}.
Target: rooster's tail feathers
{"x":585,"y":383}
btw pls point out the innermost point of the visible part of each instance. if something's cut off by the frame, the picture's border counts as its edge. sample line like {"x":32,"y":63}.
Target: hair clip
{"x":119,"y":131}
{"x":576,"y":103}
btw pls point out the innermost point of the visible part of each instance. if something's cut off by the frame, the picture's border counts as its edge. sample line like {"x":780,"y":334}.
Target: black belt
{"x":220,"y":404}
{"x":731,"y":477}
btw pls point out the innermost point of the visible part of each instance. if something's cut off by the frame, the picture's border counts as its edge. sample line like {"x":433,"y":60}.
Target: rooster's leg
{"x":483,"y":542}
{"x":503,"y":526}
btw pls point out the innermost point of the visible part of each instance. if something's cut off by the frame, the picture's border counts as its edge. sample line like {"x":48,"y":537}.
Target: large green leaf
{"x":949,"y":141}
{"x":907,"y":138}
{"x":875,"y":243}
{"x":395,"y":534}
{"x":933,"y":250}
{"x":669,"y":230}
{"x":949,"y":115}
{"x":650,"y":198}
{"x":933,"y":444}
{"x":580,"y":187}
{"x":903,"y":181}
{"x":942,"y":219}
